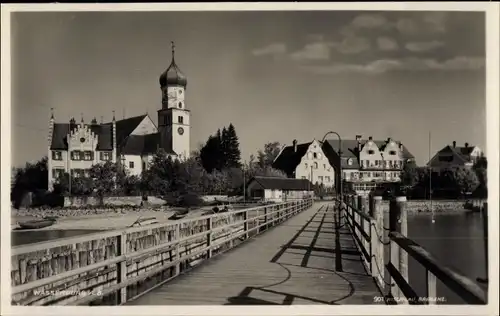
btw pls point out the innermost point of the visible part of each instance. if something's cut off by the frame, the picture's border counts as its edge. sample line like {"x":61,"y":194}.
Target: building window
{"x":180,"y":119}
{"x":306,"y":165}
{"x":392,"y":152}
{"x":105,"y":156}
{"x":376,"y":162}
{"x":57,"y":173}
{"x":320,"y":178}
{"x":344,"y":175}
{"x":88,"y":155}
{"x":56,"y":155}
{"x":304,"y":178}
{"x":324,"y":166}
{"x":315,"y":155}
{"x":180,"y":105}
{"x":327,"y":179}
{"x":131,"y":164}
{"x":315,"y":165}
{"x":77,"y":173}
{"x":367,"y":163}
{"x":371,"y":152}
{"x":75,"y":155}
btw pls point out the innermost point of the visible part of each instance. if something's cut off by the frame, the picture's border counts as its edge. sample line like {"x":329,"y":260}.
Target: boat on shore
{"x":37,"y":224}
{"x":179,"y":214}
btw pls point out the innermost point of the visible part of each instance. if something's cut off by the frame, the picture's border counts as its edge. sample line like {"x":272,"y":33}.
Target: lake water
{"x":456,"y":240}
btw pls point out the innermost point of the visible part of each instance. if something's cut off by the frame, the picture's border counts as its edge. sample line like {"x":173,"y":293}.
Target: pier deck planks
{"x":293,"y":263}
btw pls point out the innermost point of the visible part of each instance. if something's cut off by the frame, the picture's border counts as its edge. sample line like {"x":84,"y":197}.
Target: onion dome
{"x":173,"y":75}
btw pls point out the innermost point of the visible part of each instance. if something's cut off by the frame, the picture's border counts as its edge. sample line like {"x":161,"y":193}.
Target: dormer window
{"x":349,"y":161}
{"x":392,"y":152}
{"x":315,"y":155}
{"x":371,"y":152}
{"x":56,"y":155}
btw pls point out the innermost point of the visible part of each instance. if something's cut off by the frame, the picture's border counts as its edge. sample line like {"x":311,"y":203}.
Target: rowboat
{"x":179,"y":214}
{"x":36,"y":224}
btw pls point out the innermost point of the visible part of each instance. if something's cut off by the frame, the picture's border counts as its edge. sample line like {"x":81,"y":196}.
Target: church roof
{"x":129,"y":144}
{"x":173,"y":75}
{"x":142,"y":144}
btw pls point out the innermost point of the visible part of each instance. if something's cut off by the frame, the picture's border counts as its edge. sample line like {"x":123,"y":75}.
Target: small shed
{"x":279,"y":189}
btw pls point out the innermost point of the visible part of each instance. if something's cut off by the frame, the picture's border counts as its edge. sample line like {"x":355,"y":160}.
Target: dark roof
{"x":61,"y":130}
{"x":463,"y":153}
{"x":289,"y":184}
{"x":103,"y":131}
{"x":173,"y":76}
{"x":289,"y":159}
{"x":142,"y":144}
{"x":127,"y":126}
{"x":350,"y":147}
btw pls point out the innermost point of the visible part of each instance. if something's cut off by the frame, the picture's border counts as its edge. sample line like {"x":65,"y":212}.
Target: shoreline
{"x":110,"y":220}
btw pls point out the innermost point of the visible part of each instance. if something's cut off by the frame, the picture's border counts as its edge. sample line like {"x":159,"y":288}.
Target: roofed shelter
{"x":277,"y":189}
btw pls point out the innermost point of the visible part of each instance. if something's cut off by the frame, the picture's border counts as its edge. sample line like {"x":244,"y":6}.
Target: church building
{"x":75,"y":147}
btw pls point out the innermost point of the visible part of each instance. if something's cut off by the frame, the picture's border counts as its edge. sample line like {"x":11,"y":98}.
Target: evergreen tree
{"x":232,"y":148}
{"x":224,"y":150}
{"x":209,"y":154}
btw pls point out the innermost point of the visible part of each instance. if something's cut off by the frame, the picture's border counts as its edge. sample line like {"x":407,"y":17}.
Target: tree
{"x":266,"y":157}
{"x":31,"y":178}
{"x":210,"y":154}
{"x":481,"y":169}
{"x":231,"y":147}
{"x":104,"y":177}
{"x":156,"y":179}
{"x":410,"y":175}
{"x":464,"y":180}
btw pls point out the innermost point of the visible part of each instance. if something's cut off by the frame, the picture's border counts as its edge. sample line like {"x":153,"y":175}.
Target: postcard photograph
{"x":257,"y":158}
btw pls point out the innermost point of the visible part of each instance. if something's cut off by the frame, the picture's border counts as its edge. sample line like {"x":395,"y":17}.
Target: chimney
{"x":466,"y":145}
{"x":358,"y":139}
{"x":389,"y":140}
{"x":370,"y":138}
{"x":294,"y":145}
{"x":401,"y":145}
{"x":94,"y":121}
{"x":454,"y":144}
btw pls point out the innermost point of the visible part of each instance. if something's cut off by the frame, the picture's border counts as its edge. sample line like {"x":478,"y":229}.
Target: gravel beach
{"x":103,"y":221}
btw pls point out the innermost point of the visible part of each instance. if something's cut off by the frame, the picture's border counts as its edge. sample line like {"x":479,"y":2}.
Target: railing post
{"x":379,"y":249}
{"x":398,"y":222}
{"x":363,"y":207}
{"x":209,"y":237}
{"x":245,"y":223}
{"x":178,"y":249}
{"x":122,"y":267}
{"x":266,"y":224}
{"x":431,"y":287}
{"x":485,"y":238}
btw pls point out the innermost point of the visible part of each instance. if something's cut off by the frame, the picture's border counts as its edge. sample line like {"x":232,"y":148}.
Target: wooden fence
{"x":111,"y":268}
{"x":382,"y":239}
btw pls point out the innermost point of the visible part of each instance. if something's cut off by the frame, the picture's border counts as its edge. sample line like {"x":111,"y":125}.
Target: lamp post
{"x":338,"y":253}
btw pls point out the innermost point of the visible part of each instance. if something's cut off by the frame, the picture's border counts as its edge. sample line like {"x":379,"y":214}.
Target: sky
{"x":276,"y":76}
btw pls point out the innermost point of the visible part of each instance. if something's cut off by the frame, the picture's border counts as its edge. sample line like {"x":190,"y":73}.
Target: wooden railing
{"x":114,"y":267}
{"x":382,"y":240}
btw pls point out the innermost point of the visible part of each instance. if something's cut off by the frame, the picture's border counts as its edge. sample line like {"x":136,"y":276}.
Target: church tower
{"x":174,"y":118}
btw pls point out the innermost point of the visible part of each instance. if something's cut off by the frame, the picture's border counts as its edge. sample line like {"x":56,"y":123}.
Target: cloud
{"x":272,"y":49}
{"x":369,"y":21}
{"x":405,"y":64}
{"x":428,"y":22}
{"x":423,"y":46}
{"x":365,"y":21}
{"x":352,"y":45}
{"x":313,"y":51}
{"x":387,"y":44}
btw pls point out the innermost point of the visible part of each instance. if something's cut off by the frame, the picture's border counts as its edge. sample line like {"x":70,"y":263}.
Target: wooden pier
{"x":296,"y":252}
{"x":294,"y":263}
